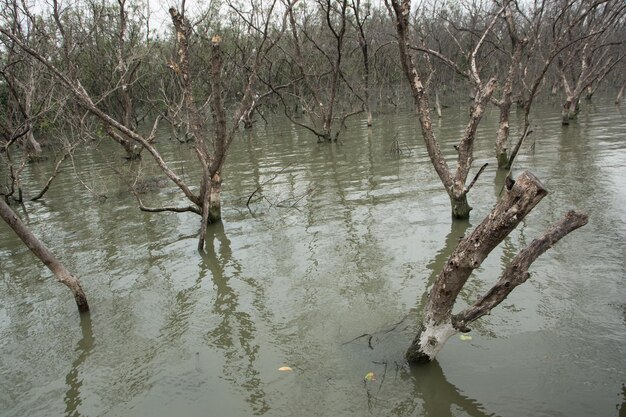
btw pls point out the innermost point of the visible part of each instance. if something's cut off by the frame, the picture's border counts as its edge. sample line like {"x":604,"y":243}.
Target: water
{"x":326,"y":273}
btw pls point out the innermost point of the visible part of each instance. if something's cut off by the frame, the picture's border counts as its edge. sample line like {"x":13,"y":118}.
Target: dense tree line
{"x":75,"y":70}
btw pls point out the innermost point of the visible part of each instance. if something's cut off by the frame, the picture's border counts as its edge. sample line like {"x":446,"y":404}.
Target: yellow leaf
{"x":285,"y":369}
{"x":370,"y":376}
{"x":465,"y":337}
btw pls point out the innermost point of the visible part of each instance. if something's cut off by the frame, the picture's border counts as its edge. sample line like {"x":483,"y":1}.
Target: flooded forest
{"x":313,"y":208}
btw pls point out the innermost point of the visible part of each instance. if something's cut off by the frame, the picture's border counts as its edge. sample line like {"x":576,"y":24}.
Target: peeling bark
{"x":438,"y":323}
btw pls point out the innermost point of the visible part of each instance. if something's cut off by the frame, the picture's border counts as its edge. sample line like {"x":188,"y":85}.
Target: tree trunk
{"x":437,"y":104}
{"x":460,"y":207}
{"x":620,"y":94}
{"x":215,"y":199}
{"x":33,"y":148}
{"x":574,"y":108}
{"x":438,"y":324}
{"x":41,"y":251}
{"x":502,"y":139}
{"x":565,"y":112}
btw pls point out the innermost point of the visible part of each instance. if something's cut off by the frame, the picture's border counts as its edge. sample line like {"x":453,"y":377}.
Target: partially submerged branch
{"x":438,"y":323}
{"x":516,"y":272}
{"x":43,"y":253}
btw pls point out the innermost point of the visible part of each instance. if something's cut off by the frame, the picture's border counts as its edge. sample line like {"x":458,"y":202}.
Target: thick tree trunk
{"x":438,"y":324}
{"x":33,"y":148}
{"x":41,"y":251}
{"x":565,"y":112}
{"x":460,"y":207}
{"x":215,"y":199}
{"x":574,"y":108}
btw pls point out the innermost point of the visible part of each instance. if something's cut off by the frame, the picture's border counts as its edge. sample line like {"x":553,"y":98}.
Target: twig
{"x":260,"y":186}
{"x":480,"y":171}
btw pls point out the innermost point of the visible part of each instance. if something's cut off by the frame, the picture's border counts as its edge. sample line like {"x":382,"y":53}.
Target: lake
{"x":325,"y":272}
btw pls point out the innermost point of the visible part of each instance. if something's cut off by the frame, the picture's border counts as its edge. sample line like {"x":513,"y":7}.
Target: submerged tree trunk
{"x":438,"y":323}
{"x":566,"y":111}
{"x":41,"y":251}
{"x":620,"y":94}
{"x":453,"y":182}
{"x":460,"y":207}
{"x":504,"y":104}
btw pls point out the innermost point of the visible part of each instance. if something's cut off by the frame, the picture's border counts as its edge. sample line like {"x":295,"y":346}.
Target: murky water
{"x":326,"y":273}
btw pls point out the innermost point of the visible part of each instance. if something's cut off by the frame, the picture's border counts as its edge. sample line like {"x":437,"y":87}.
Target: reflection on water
{"x":72,"y":379}
{"x":173,"y":332}
{"x":235,"y":332}
{"x":438,"y":397}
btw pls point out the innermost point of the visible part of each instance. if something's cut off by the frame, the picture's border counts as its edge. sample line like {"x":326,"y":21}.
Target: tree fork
{"x":438,"y":324}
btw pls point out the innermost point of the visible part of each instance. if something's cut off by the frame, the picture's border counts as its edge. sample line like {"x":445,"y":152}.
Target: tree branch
{"x":516,"y":272}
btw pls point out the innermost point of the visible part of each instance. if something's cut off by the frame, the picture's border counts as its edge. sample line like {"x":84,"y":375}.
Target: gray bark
{"x":454,"y":183}
{"x":438,"y":323}
{"x":43,"y":253}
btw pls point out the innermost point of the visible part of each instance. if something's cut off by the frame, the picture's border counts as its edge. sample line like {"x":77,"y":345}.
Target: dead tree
{"x":128,"y":63}
{"x":41,"y":251}
{"x":438,"y":321}
{"x":454,"y":184}
{"x":504,"y":104}
{"x":318,"y":85}
{"x":361,"y":14}
{"x":593,"y":56}
{"x":29,"y":96}
{"x":211,"y":155}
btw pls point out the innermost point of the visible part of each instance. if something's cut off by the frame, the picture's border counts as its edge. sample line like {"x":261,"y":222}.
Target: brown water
{"x":345,"y":242}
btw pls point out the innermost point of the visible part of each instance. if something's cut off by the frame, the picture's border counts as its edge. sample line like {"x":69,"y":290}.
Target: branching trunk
{"x":455,"y":185}
{"x":41,"y":251}
{"x":504,"y":104}
{"x":438,"y":323}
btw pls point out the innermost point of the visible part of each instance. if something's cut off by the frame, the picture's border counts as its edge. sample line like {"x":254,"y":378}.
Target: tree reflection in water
{"x":437,"y":396}
{"x":236,"y":329}
{"x":73,"y":381}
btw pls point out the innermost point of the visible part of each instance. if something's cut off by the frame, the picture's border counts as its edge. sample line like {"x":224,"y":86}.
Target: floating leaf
{"x":465,"y":337}
{"x":285,"y":369}
{"x":370,"y":376}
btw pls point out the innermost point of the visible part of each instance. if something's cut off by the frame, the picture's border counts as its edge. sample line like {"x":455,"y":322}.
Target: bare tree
{"x":317,"y":56}
{"x":361,"y":14}
{"x":211,"y":154}
{"x":454,"y":184}
{"x":591,"y":58}
{"x":212,"y":158}
{"x":504,"y":103}
{"x":29,"y":95}
{"x":438,"y":322}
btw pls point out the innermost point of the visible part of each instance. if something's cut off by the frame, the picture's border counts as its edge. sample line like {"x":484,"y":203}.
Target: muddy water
{"x":325,"y":272}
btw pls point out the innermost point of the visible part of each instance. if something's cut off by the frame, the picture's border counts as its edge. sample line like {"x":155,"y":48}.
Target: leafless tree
{"x":592,"y":56}
{"x":361,"y":13}
{"x":317,"y":54}
{"x":438,"y":322}
{"x":211,"y":153}
{"x":454,"y":183}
